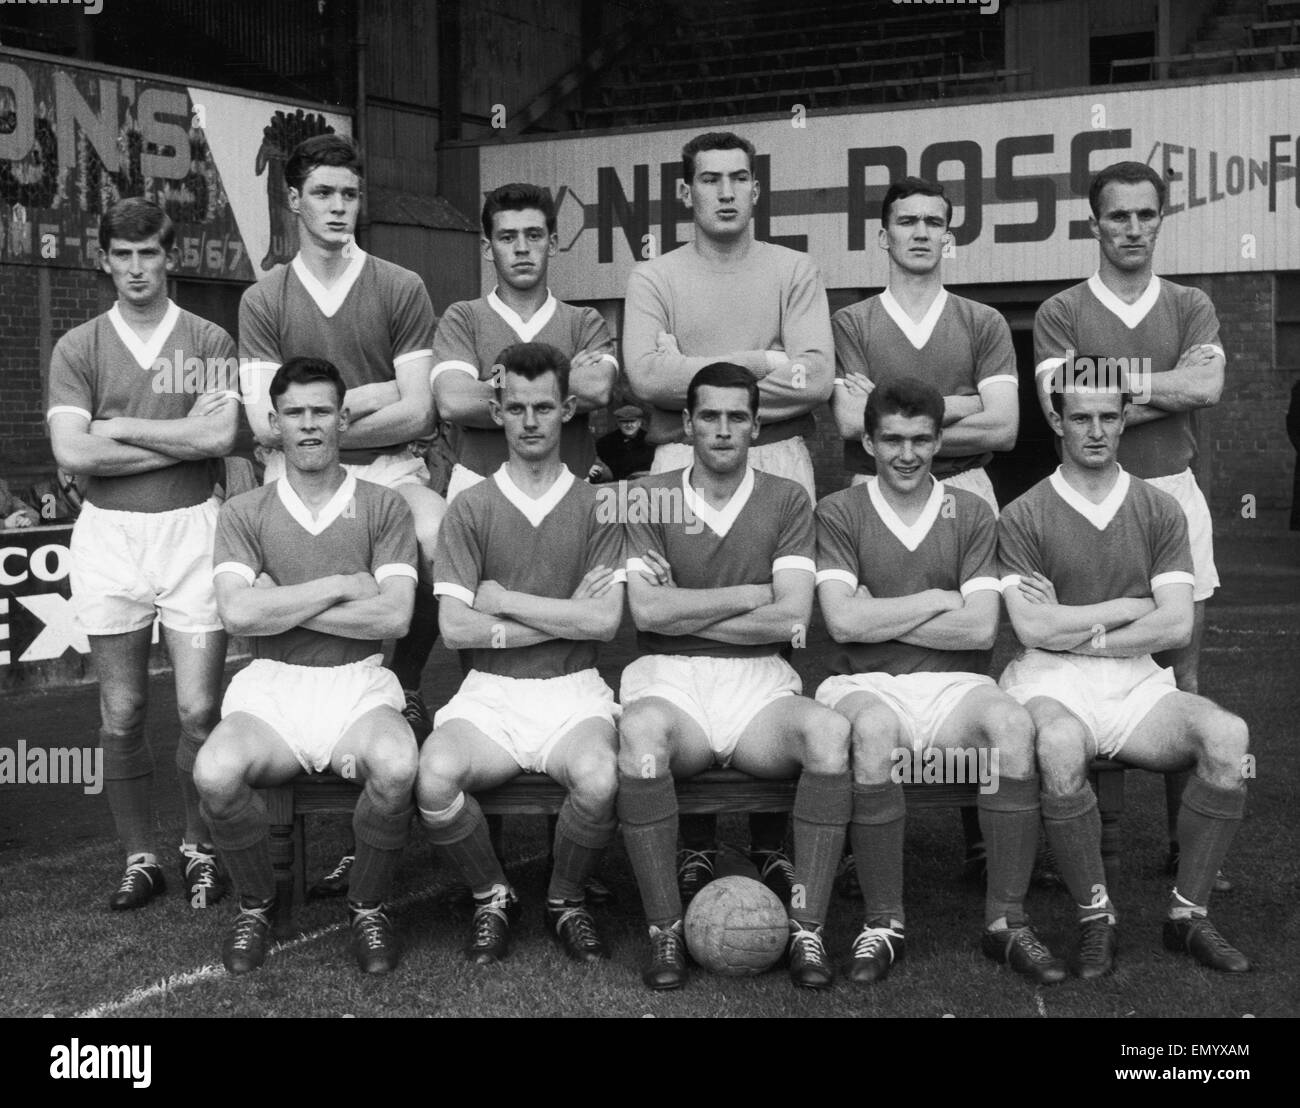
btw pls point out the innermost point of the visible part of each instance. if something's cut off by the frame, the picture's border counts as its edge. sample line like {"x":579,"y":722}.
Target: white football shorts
{"x":312,"y":707}
{"x":921,"y":701}
{"x":1111,"y":696}
{"x":125,"y":567}
{"x":1200,"y":528}
{"x":528,"y":716}
{"x":722,"y":695}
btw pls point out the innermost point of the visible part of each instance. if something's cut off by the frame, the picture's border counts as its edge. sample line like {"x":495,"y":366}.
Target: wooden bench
{"x":714,"y":791}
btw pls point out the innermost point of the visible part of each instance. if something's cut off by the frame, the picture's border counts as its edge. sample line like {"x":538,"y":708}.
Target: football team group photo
{"x":705,"y":646}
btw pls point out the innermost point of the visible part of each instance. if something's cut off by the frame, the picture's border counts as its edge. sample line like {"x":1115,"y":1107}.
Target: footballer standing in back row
{"x":1169,"y":336}
{"x":142,"y":545}
{"x":728,"y":297}
{"x":374,"y":322}
{"x":519,"y":240}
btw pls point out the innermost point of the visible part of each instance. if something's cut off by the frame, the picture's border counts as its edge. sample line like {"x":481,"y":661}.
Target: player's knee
{"x":122,"y":710}
{"x":392,"y":762}
{"x":440,"y":772}
{"x":1061,"y":747}
{"x":218,"y":771}
{"x":593,"y":777}
{"x":1009,"y":728}
{"x":643,"y":731}
{"x":1223,"y":739}
{"x":875,"y":736}
{"x":826,"y":738}
{"x":198,"y":717}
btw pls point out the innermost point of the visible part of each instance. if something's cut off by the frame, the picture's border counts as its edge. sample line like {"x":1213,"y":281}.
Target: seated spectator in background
{"x":624,"y":452}
{"x":14,"y":511}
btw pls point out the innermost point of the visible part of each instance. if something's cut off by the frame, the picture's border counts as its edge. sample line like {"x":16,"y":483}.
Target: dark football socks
{"x":411,"y":652}
{"x":1175,"y":784}
{"x":187,"y":749}
{"x":380,"y":837}
{"x":579,"y":843}
{"x":1009,"y":821}
{"x":245,"y":847}
{"x":822,"y":806}
{"x":128,"y":785}
{"x":647,"y":810}
{"x":1073,"y":827}
{"x":1208,"y":820}
{"x":464,"y":839}
{"x":876,"y":830}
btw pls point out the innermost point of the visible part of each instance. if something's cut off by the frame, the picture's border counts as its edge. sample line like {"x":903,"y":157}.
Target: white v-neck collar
{"x":526,"y":331}
{"x":718,"y":520}
{"x":1128,"y":314}
{"x":1099,"y":515}
{"x":337,"y":504}
{"x":534,"y":510}
{"x":330,"y":300}
{"x":918,"y":334}
{"x":910,"y":536}
{"x":145,"y":353}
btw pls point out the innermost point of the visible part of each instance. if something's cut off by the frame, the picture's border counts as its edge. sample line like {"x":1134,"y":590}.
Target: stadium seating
{"x":715,"y":791}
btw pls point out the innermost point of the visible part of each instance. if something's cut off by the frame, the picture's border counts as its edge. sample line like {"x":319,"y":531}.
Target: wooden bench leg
{"x":1108,"y":784}
{"x":285,"y":859}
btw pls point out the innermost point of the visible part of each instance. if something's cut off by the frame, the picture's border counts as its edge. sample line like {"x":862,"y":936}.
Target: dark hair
{"x":1100,"y":374}
{"x":135,"y":220}
{"x":713,"y":140}
{"x":304,"y":371}
{"x":319,"y":150}
{"x":1126,"y":173}
{"x":906,"y":396}
{"x":516,"y":198}
{"x":912,"y":186}
{"x":723,"y":375}
{"x":531,"y":360}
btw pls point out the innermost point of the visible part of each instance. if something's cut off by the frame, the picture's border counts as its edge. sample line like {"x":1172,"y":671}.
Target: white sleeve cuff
{"x":1047,"y":365}
{"x":410,"y":356}
{"x":449,"y":588}
{"x":980,"y":584}
{"x":1010,"y":581}
{"x":997,"y":379}
{"x":638,"y":565}
{"x":255,"y":380}
{"x":794,"y":561}
{"x":395,"y":569}
{"x":620,"y":577}
{"x":237,"y":568}
{"x":1173,"y":577}
{"x":824,"y":575}
{"x":610,"y":358}
{"x":69,"y":409}
{"x":441,"y":367}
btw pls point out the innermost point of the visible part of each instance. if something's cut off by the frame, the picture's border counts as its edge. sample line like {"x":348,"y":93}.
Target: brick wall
{"x":37,"y":305}
{"x":1244,"y":437}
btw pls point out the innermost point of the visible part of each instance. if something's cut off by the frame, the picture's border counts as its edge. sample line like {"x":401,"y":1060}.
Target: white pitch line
{"x":205,"y":973}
